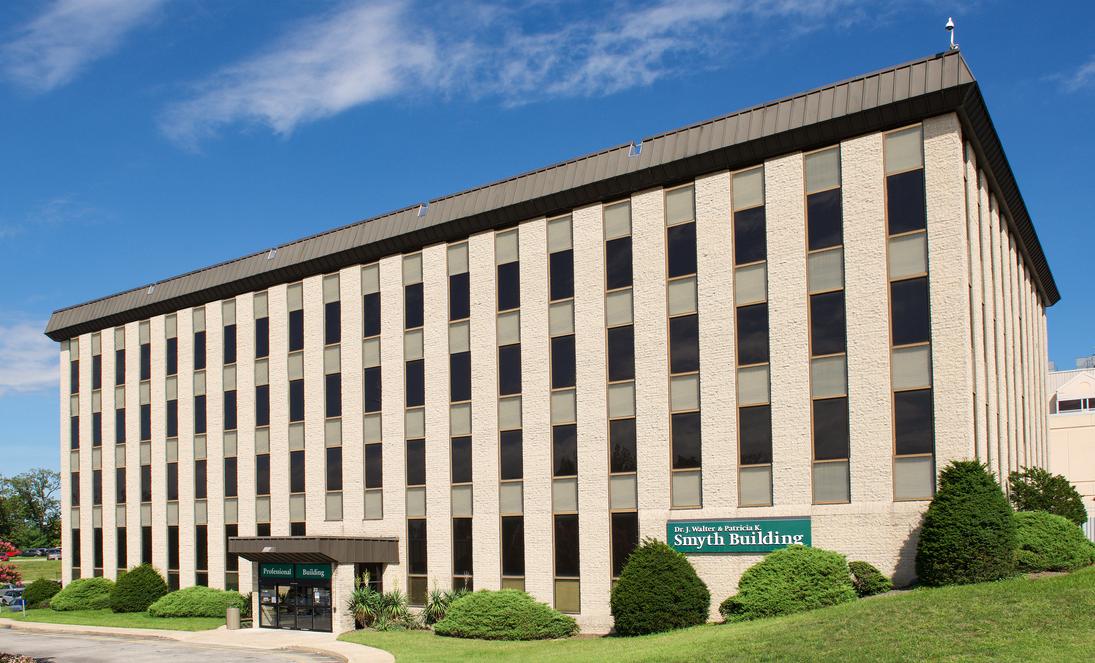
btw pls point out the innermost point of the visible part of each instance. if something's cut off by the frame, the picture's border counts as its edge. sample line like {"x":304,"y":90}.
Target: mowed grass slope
{"x":119,"y":620}
{"x":33,"y":568}
{"x":1044,"y":619}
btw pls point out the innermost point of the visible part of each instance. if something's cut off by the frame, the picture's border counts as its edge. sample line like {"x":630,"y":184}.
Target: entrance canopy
{"x":337,"y":549}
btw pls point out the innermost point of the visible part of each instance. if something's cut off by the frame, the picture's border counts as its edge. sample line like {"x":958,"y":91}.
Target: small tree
{"x":9,"y":574}
{"x":137,"y":589}
{"x":1035,"y":489}
{"x":968,"y":533}
{"x":658,"y":590}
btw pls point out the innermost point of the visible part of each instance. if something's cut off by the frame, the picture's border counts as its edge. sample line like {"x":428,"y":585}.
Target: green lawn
{"x":33,"y":568}
{"x":1046,"y":619}
{"x":123,"y":620}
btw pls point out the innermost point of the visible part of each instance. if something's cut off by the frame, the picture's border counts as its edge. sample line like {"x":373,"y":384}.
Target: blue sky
{"x":143,"y":138}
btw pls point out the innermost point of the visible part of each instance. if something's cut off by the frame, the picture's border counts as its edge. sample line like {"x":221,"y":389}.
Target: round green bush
{"x":40,"y":591}
{"x":658,"y":590}
{"x":793,"y":579}
{"x":83,"y":594}
{"x":503,"y":615}
{"x":137,"y":589}
{"x":968,"y":534}
{"x":1051,"y":543}
{"x":197,"y":601}
{"x":868,"y":580}
{"x":1035,"y":489}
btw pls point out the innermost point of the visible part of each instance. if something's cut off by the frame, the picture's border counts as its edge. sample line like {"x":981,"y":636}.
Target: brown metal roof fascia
{"x":746,"y":141}
{"x":343,"y":550}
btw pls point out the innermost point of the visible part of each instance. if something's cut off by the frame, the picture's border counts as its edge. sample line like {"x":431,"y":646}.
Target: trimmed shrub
{"x":137,"y":589}
{"x":968,"y":534}
{"x":507,"y":614}
{"x":793,"y":579}
{"x":658,"y":590}
{"x":867,"y":580}
{"x":1048,"y":542}
{"x":40,"y":591}
{"x":83,"y":594}
{"x":1035,"y":489}
{"x":197,"y":601}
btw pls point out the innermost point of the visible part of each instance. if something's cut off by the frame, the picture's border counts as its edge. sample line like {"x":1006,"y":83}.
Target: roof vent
{"x":271,"y":254}
{"x":423,"y":208}
{"x":636,"y":149}
{"x":151,"y":289}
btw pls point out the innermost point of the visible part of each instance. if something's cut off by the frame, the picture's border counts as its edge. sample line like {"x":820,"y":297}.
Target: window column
{"x":74,"y":454}
{"x":120,"y":559}
{"x":414,"y":381}
{"x":332,"y":396}
{"x":145,"y":395}
{"x":262,"y":413}
{"x":230,"y":440}
{"x":511,"y":465}
{"x":751,"y":324}
{"x":97,"y":454}
{"x":297,"y":474}
{"x":910,"y":317}
{"x":828,"y":327}
{"x":171,"y":447}
{"x":200,"y":441}
{"x":684,"y":349}
{"x":372,"y":396}
{"x":460,"y":463}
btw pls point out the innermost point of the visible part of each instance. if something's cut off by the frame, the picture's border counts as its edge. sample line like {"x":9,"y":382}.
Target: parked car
{"x":10,"y":596}
{"x":54,"y":553}
{"x":31,"y":552}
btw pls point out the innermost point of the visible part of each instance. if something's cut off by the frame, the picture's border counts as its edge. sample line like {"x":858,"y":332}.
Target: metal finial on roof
{"x":423,"y":208}
{"x":636,"y":149}
{"x":950,"y":30}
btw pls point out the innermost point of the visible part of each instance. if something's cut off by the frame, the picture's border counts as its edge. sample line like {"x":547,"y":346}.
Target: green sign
{"x":737,"y":536}
{"x":295,"y":571}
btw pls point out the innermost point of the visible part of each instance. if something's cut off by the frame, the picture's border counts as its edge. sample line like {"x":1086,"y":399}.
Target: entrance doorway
{"x":295,"y":596}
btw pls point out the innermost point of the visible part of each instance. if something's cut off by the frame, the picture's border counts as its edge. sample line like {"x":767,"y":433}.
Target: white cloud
{"x":363,"y":52}
{"x":28,"y":359}
{"x":51,"y":49}
{"x":1082,"y":77}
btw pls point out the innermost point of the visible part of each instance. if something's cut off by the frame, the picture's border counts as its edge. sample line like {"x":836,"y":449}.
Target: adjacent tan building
{"x":788,"y":317}
{"x":1072,"y":433}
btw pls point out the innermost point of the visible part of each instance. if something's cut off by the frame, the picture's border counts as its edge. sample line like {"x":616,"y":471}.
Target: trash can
{"x":232,"y":619}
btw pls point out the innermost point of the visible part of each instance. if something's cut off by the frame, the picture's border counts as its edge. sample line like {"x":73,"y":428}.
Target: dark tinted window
{"x":262,"y":474}
{"x":332,"y":322}
{"x":823,"y":212}
{"x":119,"y":426}
{"x":74,"y":431}
{"x":119,"y":486}
{"x":146,"y":422}
{"x":97,"y":549}
{"x":146,"y":361}
{"x":74,"y":376}
{"x":565,"y":450}
{"x":621,"y":438}
{"x":262,"y":529}
{"x":416,"y":462}
{"x":510,"y":452}
{"x":911,"y":317}
{"x":509,"y":286}
{"x":459,"y":296}
{"x":686,"y":440}
{"x":831,"y":429}
{"x":121,"y":550}
{"x":296,"y":400}
{"x":173,"y":549}
{"x":262,"y":337}
{"x":146,"y":545}
{"x":298,"y":529}
{"x":229,"y":344}
{"x":562,"y":362}
{"x":566,"y":545}
{"x":201,"y":547}
{"x":755,"y":440}
{"x":172,"y":481}
{"x":119,"y":367}
{"x":231,"y":477}
{"x":684,"y":344}
{"x":333,"y":395}
{"x":74,"y":488}
{"x":460,"y":377}
{"x":199,"y":415}
{"x":231,"y":560}
{"x":618,"y":263}
{"x":913,"y":422}
{"x":461,"y":546}
{"x":416,"y":382}
{"x":75,"y":548}
{"x":513,"y":546}
{"x":681,"y":249}
{"x":146,"y":483}
{"x":230,"y":412}
{"x":621,"y":353}
{"x":416,"y":546}
{"x":905,"y":203}
{"x":172,"y":356}
{"x":562,"y":274}
{"x":296,"y":330}
{"x":262,"y":405}
{"x":172,"y":418}
{"x":372,"y":389}
{"x":371,"y":326}
{"x":750,"y":244}
{"x":199,"y":350}
{"x":200,"y":480}
{"x":827,"y":325}
{"x":412,"y":306}
{"x":96,"y":487}
{"x":461,"y":460}
{"x":752,"y":334}
{"x":374,"y":468}
{"x":296,"y":471}
{"x":625,"y":536}
{"x":96,"y":429}
{"x":334,"y":468}
{"x":96,"y":371}
{"x":509,"y":369}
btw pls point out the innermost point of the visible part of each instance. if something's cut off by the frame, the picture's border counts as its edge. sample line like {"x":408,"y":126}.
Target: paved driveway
{"x":65,"y":648}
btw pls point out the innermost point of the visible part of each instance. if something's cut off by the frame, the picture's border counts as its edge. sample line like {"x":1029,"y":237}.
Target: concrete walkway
{"x":248,"y":638}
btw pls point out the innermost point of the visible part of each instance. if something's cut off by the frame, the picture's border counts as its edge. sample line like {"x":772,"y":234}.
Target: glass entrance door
{"x":296,"y":606}
{"x":321,"y":608}
{"x":287,"y":609}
